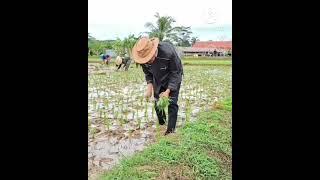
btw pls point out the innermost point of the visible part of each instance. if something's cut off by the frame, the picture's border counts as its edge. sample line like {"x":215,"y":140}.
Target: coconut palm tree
{"x":128,"y":43}
{"x":125,"y":46}
{"x":164,"y":29}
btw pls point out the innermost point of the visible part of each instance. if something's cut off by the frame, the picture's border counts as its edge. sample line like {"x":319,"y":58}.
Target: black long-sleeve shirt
{"x":166,"y":71}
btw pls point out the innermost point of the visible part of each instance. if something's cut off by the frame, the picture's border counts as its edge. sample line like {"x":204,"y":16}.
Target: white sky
{"x":209,"y":19}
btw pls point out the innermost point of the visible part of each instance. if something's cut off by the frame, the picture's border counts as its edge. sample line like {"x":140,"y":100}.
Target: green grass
{"x":206,"y":62}
{"x":199,"y":150}
{"x":185,"y":61}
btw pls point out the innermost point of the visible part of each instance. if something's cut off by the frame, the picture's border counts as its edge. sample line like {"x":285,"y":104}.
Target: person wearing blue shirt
{"x":105,"y":58}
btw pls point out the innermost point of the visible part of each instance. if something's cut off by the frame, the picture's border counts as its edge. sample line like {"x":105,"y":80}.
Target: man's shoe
{"x":168,"y":132}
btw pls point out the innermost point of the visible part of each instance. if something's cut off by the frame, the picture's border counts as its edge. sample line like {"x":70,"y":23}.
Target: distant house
{"x":208,"y":48}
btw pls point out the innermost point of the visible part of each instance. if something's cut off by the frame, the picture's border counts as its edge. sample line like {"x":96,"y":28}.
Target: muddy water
{"x":106,"y":148}
{"x":106,"y":151}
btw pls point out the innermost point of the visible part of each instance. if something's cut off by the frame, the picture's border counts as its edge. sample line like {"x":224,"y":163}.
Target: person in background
{"x":105,"y":58}
{"x":215,"y":53}
{"x":125,"y":61}
{"x":229,"y":52}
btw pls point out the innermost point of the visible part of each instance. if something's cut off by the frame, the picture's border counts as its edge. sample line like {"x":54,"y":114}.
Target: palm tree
{"x":125,"y":46}
{"x":128,"y":43}
{"x":164,"y":29}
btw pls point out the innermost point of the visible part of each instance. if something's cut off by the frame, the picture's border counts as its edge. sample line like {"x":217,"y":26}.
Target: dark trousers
{"x":172,"y":110}
{"x":127,"y":65}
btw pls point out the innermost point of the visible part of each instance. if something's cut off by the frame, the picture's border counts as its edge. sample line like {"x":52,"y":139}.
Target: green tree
{"x":183,"y":39}
{"x":107,"y":44}
{"x":128,"y":43}
{"x":124,"y":46}
{"x":194,"y":40}
{"x":118,"y":46}
{"x":91,"y":41}
{"x":164,"y":29}
{"x":96,"y":46}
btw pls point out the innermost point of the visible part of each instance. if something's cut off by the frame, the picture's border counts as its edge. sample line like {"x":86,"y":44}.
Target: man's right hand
{"x":148,"y":91}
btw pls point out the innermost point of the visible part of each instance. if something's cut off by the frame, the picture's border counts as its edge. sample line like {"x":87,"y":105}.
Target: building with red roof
{"x":207,"y":48}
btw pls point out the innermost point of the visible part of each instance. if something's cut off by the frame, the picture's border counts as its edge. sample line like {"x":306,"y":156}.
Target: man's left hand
{"x":165,"y":93}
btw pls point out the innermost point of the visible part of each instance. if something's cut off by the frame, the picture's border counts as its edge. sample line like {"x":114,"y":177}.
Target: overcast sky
{"x":209,"y":19}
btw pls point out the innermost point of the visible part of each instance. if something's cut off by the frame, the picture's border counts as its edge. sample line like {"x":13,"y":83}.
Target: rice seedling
{"x":121,"y":122}
{"x":146,"y":112}
{"x":116,"y":115}
{"x":132,"y":101}
{"x":122,"y":108}
{"x":100,"y":113}
{"x":89,"y":123}
{"x":163,"y":103}
{"x":126,"y":114}
{"x":139,"y":123}
{"x":141,"y":100}
{"x":97,"y":92}
{"x":188,"y":111}
{"x":106,"y":121}
{"x":152,"y":113}
{"x":158,"y":130}
{"x":113,"y":110}
{"x":94,"y":104}
{"x":106,"y":103}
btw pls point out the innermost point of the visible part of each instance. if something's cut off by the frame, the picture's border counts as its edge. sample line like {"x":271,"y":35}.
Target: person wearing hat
{"x":163,"y":72}
{"x":125,"y":61}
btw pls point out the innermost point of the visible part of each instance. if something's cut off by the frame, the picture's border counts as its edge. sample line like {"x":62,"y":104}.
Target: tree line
{"x":163,"y":28}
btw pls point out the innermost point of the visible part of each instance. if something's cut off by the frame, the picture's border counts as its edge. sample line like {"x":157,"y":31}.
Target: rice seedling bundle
{"x":163,"y":103}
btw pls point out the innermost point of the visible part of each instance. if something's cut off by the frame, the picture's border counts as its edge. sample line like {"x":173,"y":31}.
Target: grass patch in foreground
{"x":200,"y":150}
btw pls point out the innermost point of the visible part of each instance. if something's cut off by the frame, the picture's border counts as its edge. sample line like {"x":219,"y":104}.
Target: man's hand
{"x":148,"y":91}
{"x":165,"y":94}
